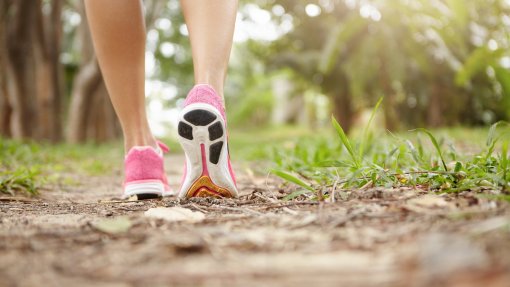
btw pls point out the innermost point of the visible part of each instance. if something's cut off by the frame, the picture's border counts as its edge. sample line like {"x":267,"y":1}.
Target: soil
{"x":368,"y":237}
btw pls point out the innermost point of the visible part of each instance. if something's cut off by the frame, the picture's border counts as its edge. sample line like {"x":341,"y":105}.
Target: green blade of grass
{"x":436,"y":145}
{"x":295,"y":194}
{"x":458,"y":166}
{"x":491,"y":137}
{"x":414,"y":152}
{"x":291,"y":178}
{"x":346,"y":142}
{"x":332,"y":163}
{"x":367,"y":126}
{"x":504,"y":161}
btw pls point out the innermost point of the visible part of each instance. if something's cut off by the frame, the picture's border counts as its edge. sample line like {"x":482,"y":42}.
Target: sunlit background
{"x":437,"y":63}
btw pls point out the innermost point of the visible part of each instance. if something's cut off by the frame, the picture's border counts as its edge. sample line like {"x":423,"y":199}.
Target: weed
{"x":25,"y":166}
{"x":20,"y":180}
{"x":395,"y":161}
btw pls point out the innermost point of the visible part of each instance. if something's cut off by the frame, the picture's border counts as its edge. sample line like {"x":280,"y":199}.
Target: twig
{"x":267,"y":185}
{"x":279,"y":205}
{"x":242,"y":210}
{"x":20,"y":199}
{"x":265,"y":198}
{"x":198,"y":207}
{"x":332,"y":197}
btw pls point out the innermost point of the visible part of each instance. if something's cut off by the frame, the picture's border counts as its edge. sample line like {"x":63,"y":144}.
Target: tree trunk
{"x":49,"y":72}
{"x":102,"y":123}
{"x":5,"y":109}
{"x":391,"y":120}
{"x":30,"y":70}
{"x":342,"y":110}
{"x":85,"y":85}
{"x":434,"y":113}
{"x":20,"y":68}
{"x":336,"y":86}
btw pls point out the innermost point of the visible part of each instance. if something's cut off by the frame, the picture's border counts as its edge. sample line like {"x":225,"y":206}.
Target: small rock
{"x":174,"y":214}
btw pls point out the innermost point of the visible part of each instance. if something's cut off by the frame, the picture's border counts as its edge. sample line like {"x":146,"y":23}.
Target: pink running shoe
{"x":144,"y":172}
{"x":203,"y":136}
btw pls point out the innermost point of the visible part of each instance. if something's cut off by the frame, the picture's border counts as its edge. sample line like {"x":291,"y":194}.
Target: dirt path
{"x":366,"y":238}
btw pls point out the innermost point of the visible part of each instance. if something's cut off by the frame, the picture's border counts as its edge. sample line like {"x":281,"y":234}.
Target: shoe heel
{"x":144,"y":189}
{"x":203,"y":137}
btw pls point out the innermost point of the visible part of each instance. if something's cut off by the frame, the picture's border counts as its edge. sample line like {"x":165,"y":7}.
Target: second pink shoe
{"x":144,"y":173}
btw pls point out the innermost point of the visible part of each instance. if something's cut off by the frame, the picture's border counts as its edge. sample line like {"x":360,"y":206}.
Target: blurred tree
{"x":5,"y":108}
{"x":432,"y":60}
{"x":437,"y":62}
{"x":31,"y":73}
{"x":32,"y":92}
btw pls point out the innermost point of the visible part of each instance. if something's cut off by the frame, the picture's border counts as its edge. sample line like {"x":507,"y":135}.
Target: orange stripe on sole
{"x":204,"y":187}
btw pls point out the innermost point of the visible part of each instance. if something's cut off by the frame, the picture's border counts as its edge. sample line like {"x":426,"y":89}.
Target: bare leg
{"x":211,"y":28}
{"x":118,"y":32}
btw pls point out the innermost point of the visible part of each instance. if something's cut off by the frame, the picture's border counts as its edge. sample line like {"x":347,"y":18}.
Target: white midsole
{"x":219,"y":173}
{"x":152,"y":187}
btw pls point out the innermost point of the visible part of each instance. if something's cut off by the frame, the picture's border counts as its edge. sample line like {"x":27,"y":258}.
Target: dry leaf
{"x":428,"y":203}
{"x":113,"y":226}
{"x":174,"y":214}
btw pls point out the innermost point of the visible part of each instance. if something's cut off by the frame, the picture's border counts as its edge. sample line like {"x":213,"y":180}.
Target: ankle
{"x":130,"y":142}
{"x":217,"y":87}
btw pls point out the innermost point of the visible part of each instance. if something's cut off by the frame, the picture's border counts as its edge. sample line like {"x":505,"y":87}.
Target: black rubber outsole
{"x":185,"y":130}
{"x":215,"y":129}
{"x":200,"y":117}
{"x":145,"y":196}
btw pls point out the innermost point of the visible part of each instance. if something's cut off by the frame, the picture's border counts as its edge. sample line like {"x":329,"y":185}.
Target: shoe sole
{"x":145,"y":189}
{"x":202,"y":135}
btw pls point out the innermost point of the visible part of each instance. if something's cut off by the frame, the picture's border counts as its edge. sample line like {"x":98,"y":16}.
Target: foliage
{"x":436,"y":62}
{"x":397,"y":161}
{"x":26,"y":166}
{"x":19,"y":180}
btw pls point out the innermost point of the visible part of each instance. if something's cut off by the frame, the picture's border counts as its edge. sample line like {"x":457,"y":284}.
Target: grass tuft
{"x":320,"y":165}
{"x":25,"y":166}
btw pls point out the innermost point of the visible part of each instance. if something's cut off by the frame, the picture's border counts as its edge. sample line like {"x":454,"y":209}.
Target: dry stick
{"x":198,"y":208}
{"x":20,"y":199}
{"x":265,"y":198}
{"x":289,"y":211}
{"x":267,"y":185}
{"x":229,"y":218}
{"x":332,"y":197}
{"x":279,"y":205}
{"x":242,"y":210}
{"x":246,"y":202}
{"x":366,"y":185}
